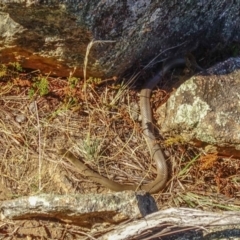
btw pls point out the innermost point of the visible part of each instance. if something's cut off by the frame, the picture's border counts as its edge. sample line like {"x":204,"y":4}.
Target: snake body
{"x":148,"y":131}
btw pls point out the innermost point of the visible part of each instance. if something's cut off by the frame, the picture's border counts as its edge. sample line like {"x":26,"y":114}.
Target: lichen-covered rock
{"x":206,"y":107}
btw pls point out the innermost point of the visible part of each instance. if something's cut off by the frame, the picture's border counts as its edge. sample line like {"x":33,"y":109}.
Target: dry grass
{"x":100,"y":124}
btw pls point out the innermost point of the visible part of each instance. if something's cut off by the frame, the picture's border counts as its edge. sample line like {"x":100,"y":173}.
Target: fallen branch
{"x":181,"y":217}
{"x":83,"y":209}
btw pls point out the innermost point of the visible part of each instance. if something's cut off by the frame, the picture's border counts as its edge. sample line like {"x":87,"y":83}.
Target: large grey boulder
{"x":53,"y":36}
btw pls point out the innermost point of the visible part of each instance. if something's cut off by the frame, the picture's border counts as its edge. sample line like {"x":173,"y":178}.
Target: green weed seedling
{"x":94,"y":81}
{"x":40,"y":86}
{"x":3,"y":70}
{"x":17,"y":66}
{"x":91,"y":148}
{"x":72,"y":82}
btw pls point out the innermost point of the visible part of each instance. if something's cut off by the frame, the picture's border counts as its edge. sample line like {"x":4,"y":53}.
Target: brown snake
{"x":148,"y":131}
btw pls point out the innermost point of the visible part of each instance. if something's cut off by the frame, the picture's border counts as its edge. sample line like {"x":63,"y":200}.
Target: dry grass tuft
{"x":100,"y":124}
{"x":99,"y":127}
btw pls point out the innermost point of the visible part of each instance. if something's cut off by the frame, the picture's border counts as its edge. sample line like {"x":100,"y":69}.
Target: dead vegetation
{"x":101,"y":125}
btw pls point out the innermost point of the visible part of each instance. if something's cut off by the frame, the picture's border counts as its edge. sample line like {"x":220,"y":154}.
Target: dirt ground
{"x":99,"y":121}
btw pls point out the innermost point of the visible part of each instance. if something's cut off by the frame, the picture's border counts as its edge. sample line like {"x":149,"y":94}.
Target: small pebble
{"x":20,"y":118}
{"x":32,"y":107}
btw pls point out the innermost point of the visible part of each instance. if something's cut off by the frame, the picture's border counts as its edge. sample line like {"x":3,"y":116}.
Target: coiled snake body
{"x":147,"y":126}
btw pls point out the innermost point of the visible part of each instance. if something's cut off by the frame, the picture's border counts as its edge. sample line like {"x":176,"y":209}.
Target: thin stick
{"x":39,"y":149}
{"x":89,"y":46}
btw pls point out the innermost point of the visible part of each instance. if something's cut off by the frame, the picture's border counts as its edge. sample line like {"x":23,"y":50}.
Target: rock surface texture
{"x":53,"y":35}
{"x":206,"y":107}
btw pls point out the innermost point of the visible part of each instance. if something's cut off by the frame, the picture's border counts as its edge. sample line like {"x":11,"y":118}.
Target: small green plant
{"x":92,"y":80}
{"x":177,"y":139}
{"x":72,"y":82}
{"x":70,"y":103}
{"x":91,"y":148}
{"x":16,"y":65}
{"x":40,"y":86}
{"x":3,"y":70}
{"x":31,"y":92}
{"x":186,"y":169}
{"x":10,"y":69}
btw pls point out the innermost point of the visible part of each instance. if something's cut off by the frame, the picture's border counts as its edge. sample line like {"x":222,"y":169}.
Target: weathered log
{"x":83,"y":210}
{"x":165,"y":223}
